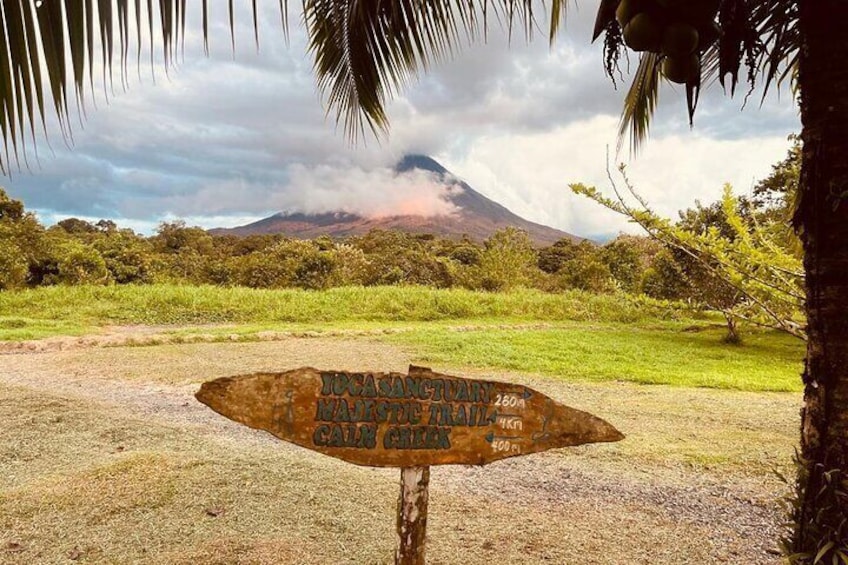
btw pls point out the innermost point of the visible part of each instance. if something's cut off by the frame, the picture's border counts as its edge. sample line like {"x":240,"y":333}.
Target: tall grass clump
{"x":167,"y":304}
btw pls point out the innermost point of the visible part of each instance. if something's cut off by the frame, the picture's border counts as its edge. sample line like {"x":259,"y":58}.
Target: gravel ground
{"x":691,"y":484}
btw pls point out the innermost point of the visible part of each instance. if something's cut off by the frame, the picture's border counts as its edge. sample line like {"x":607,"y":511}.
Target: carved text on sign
{"x":396,"y":420}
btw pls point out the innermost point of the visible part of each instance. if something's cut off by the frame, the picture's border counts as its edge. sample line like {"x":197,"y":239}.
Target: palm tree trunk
{"x":822,"y":221}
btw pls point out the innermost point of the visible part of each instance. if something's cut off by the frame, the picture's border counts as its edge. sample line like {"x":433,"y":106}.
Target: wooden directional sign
{"x":396,"y":420}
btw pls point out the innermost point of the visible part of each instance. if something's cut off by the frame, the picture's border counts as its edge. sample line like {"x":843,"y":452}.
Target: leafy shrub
{"x":13,"y":265}
{"x":507,"y":261}
{"x":80,"y":264}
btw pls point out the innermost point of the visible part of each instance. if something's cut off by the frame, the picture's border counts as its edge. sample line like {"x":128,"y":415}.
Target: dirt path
{"x":691,"y":484}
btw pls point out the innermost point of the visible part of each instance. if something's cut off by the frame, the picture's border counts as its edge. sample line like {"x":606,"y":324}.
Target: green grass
{"x":574,"y":335}
{"x":17,"y":328}
{"x":656,"y":354}
{"x":78,"y":309}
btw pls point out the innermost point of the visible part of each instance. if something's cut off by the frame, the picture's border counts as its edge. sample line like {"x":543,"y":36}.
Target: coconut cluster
{"x":679,"y":30}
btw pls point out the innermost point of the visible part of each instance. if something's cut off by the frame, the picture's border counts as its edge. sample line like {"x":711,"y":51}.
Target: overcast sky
{"x":225,"y":140}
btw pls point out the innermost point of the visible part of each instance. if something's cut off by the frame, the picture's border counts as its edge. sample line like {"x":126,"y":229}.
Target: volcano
{"x":476,"y":216}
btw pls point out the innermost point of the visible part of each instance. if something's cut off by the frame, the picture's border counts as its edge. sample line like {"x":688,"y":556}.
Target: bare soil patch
{"x":106,"y":457}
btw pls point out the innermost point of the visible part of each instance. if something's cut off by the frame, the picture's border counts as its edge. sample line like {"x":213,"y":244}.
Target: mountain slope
{"x":478,"y":217}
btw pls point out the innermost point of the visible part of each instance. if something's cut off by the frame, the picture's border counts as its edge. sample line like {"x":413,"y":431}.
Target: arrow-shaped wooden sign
{"x":395,"y":420}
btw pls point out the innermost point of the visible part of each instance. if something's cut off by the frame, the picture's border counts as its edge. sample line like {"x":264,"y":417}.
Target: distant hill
{"x":478,"y":217}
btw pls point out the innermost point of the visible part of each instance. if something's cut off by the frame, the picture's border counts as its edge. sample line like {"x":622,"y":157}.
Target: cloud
{"x":373,"y":194}
{"x":530,"y":173}
{"x":246,"y":135}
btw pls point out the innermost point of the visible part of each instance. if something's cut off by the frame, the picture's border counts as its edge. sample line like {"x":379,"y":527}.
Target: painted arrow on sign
{"x":395,"y":420}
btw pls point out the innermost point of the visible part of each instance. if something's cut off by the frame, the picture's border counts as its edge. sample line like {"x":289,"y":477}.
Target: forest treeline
{"x":76,"y":251}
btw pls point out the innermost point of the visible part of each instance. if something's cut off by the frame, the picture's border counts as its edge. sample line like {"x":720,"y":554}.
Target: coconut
{"x":679,"y":39}
{"x":624,"y":12}
{"x":681,"y":69}
{"x":627,"y":9}
{"x":642,"y":33}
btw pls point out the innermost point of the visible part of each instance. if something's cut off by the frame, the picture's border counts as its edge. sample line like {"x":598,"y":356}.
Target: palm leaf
{"x":48,"y":49}
{"x":640,"y":102}
{"x":366,"y":50}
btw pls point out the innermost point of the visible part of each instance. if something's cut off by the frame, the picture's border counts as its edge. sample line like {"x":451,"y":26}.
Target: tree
{"x":584,"y":265}
{"x":721,"y":260}
{"x":24,"y":247}
{"x":364,"y":51}
{"x":13,"y":265}
{"x":75,"y":225}
{"x":79,"y":263}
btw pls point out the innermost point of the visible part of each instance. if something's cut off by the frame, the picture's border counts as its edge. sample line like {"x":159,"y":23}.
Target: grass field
{"x":105,"y":456}
{"x":572,"y":336}
{"x":74,"y":310}
{"x":669,"y":354}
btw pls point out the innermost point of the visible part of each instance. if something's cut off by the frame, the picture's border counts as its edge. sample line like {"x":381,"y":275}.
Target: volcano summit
{"x":473,"y":215}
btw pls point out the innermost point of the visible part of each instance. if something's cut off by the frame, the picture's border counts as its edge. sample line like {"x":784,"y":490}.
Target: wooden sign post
{"x":410,"y":421}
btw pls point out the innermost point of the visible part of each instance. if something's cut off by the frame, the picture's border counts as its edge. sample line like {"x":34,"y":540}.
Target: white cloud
{"x":530,"y":173}
{"x":376,"y":193}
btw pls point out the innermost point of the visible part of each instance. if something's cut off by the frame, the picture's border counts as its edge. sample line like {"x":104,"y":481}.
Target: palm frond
{"x":50,"y":49}
{"x":366,"y":50}
{"x":640,"y":102}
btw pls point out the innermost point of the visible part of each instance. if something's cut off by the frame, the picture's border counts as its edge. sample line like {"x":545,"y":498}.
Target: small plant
{"x":824,"y":534}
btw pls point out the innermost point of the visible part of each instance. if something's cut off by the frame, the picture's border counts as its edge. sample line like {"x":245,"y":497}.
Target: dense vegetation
{"x":76,"y":252}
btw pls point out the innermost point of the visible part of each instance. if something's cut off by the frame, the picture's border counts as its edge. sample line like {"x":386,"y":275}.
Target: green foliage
{"x":401,"y":258}
{"x":627,"y":257}
{"x":177,"y":304}
{"x":821,"y":540}
{"x":175,"y":237}
{"x":78,"y":263}
{"x":11,"y":210}
{"x":128,"y":258}
{"x":80,"y":252}
{"x":664,"y":278}
{"x":75,"y":252}
{"x":586,"y":271}
{"x":551,"y":259}
{"x":507,"y":261}
{"x":13,"y":265}
{"x":315,"y":271}
{"x":467,"y":254}
{"x":731,"y":263}
{"x":22,"y":243}
{"x":76,"y":226}
{"x":778,"y":192}
{"x":351,"y":266}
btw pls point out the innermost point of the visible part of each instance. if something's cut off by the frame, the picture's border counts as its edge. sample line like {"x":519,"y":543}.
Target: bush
{"x":13,"y":265}
{"x":315,"y":270}
{"x":664,"y":279}
{"x":508,"y":260}
{"x":128,"y":257}
{"x":351,"y":266}
{"x":586,"y":273}
{"x":81,"y":264}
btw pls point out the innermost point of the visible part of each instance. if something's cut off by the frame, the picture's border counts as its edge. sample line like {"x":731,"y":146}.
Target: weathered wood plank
{"x":396,"y":420}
